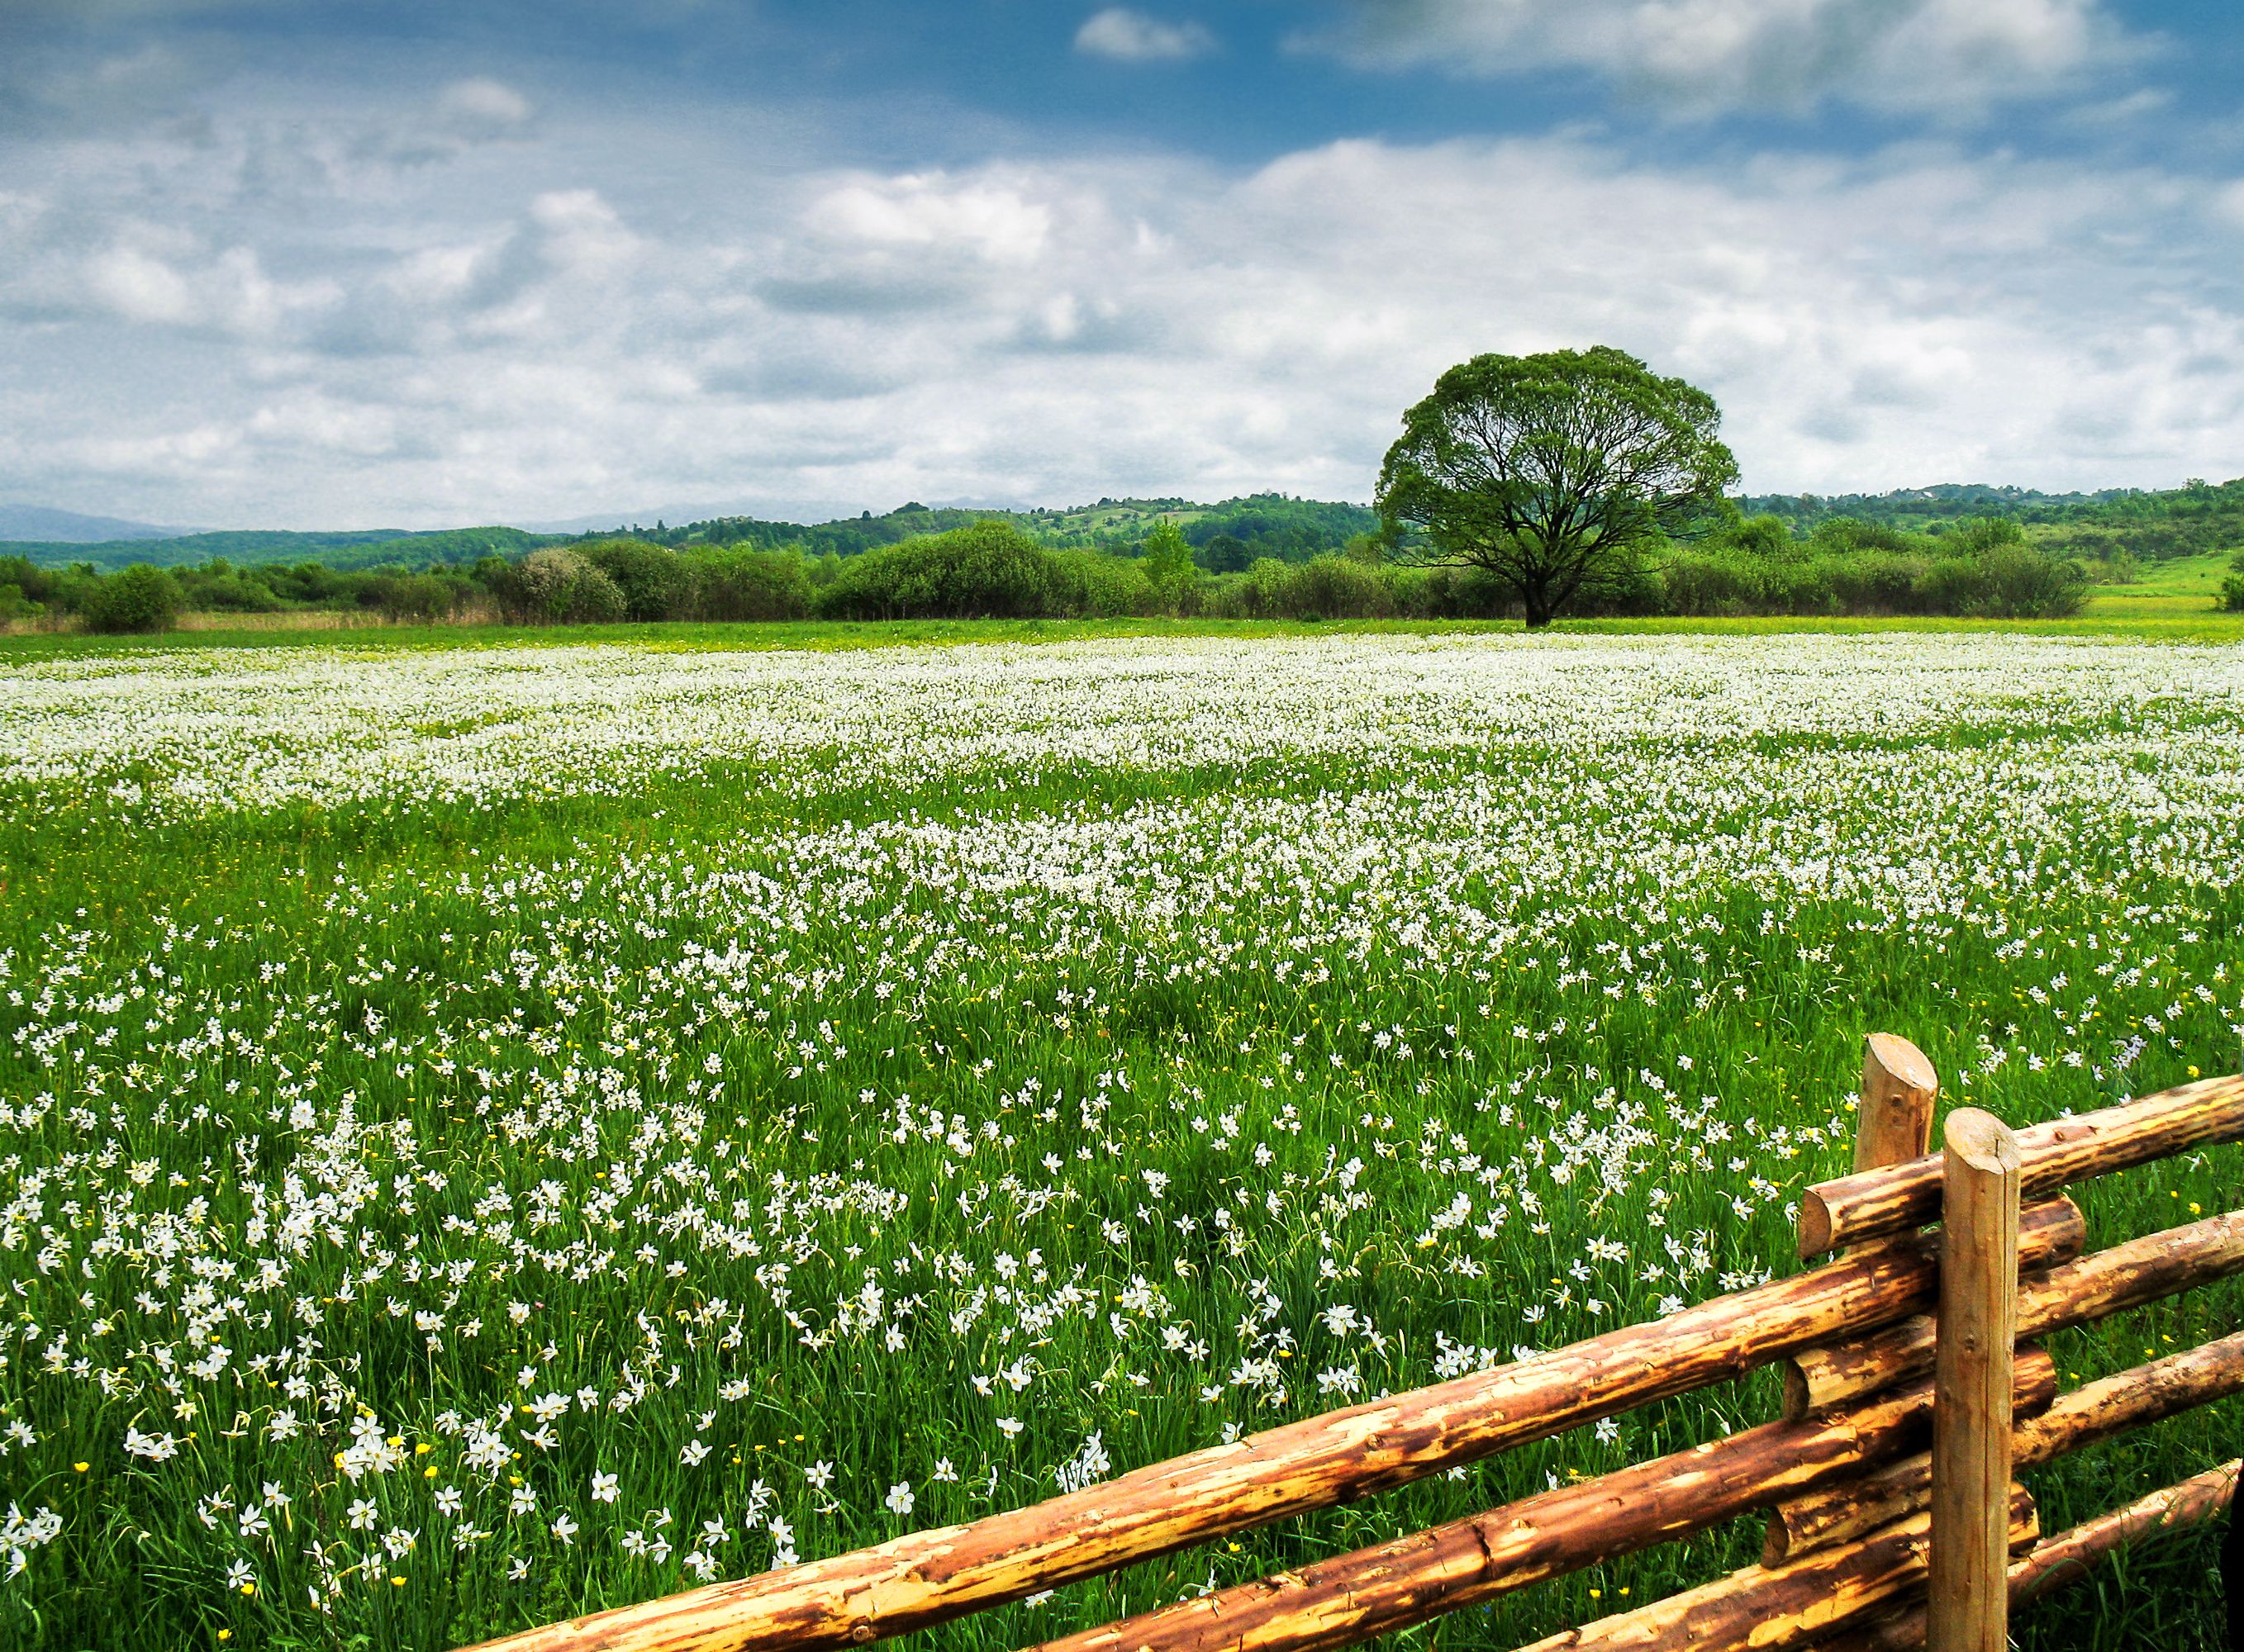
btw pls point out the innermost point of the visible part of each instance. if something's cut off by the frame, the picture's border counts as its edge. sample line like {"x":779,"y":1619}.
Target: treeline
{"x":2117,"y":526}
{"x":989,"y":568}
{"x":1228,"y":536}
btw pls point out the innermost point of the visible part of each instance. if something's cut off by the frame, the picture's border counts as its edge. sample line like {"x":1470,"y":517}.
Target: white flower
{"x":604,"y":1488}
{"x":900,"y":1499}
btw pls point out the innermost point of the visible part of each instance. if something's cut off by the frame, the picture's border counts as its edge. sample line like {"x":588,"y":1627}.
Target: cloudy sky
{"x":425,"y":262}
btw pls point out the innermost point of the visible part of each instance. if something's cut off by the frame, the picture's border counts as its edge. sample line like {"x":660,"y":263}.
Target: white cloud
{"x":229,"y":292}
{"x":485,"y":103}
{"x":1705,"y":56}
{"x":539,"y":331}
{"x":1132,"y":36}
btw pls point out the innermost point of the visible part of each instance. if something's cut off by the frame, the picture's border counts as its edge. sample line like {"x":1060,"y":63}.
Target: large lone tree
{"x":1555,"y":472}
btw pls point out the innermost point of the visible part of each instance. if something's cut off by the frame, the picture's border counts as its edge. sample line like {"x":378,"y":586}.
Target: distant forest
{"x":1226,"y":537}
{"x":1994,"y":552}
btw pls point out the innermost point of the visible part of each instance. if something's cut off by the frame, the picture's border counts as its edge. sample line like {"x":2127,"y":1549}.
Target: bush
{"x":423,"y":598}
{"x":1100,"y":586}
{"x":2010,"y":580}
{"x":1334,"y":588}
{"x":554,"y":586}
{"x":230,"y":593}
{"x":2231,"y":593}
{"x":987,"y":569}
{"x":732,"y":583}
{"x":654,"y":582}
{"x":137,"y":598}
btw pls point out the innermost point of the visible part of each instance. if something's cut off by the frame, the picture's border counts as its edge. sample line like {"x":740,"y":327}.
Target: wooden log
{"x":1893,"y":1122}
{"x":2095,"y":1287}
{"x":2132,"y":1398}
{"x":2063,"y":1561}
{"x":2050,"y":1232}
{"x":1900,"y":1196}
{"x":1971,"y":1385}
{"x":1893,"y":1125}
{"x":934,"y":1576}
{"x":1769,"y":1606}
{"x":1378,"y":1590}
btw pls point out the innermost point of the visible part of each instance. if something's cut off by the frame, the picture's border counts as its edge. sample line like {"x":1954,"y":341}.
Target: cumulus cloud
{"x":1708,"y":56}
{"x":539,"y":332}
{"x":1132,"y":36}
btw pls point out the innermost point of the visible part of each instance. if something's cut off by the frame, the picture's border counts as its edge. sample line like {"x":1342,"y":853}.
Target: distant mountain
{"x":69,"y":527}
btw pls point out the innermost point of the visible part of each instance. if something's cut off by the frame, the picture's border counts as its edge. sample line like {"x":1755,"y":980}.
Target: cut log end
{"x":1899,"y":1064}
{"x":1984,"y":1141}
{"x":1814,"y":1224}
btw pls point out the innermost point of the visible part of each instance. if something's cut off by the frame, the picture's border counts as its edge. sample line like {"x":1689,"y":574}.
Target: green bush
{"x":987,"y":569}
{"x":229,"y":592}
{"x":2008,"y":580}
{"x":733,"y":583}
{"x":1099,"y":585}
{"x":554,"y":586}
{"x":1334,"y":588}
{"x":137,"y":599}
{"x":414,"y":598}
{"x":654,"y":582}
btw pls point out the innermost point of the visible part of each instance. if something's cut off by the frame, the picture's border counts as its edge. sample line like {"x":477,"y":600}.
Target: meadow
{"x":492,"y":1131}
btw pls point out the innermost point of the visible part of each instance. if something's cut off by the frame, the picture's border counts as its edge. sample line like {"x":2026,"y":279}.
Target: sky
{"x":424,"y":263}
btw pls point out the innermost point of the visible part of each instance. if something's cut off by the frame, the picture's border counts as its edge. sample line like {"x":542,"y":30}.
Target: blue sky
{"x":411,"y":264}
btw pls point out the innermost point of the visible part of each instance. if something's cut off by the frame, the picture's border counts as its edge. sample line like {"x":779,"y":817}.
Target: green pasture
{"x":1006,"y":1038}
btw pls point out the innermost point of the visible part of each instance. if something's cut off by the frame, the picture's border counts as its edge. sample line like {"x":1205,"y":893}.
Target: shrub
{"x":733,"y":584}
{"x":1097,"y":585}
{"x":137,"y":598}
{"x":2011,"y":580}
{"x":424,"y":598}
{"x":985,"y":569}
{"x":231,"y":593}
{"x":1334,"y":588}
{"x":554,"y":586}
{"x":654,"y":582}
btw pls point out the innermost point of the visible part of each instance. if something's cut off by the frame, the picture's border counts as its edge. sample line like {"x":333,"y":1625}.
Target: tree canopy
{"x":1555,"y":472}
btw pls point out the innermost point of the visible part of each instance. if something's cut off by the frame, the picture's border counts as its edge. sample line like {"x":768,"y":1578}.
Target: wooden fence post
{"x":1969,"y":1592}
{"x":1894,"y":1123}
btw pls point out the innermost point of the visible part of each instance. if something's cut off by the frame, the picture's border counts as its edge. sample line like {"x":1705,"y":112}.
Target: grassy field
{"x":492,"y":1132}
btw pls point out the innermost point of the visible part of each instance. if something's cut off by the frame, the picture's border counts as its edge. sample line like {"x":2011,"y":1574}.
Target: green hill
{"x":348,"y":548}
{"x":2152,"y":525}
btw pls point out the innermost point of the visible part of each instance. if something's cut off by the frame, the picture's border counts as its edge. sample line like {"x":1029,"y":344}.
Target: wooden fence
{"x":1913,"y":1393}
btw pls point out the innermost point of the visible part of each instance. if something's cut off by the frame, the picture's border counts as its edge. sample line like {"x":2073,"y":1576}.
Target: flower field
{"x":494,"y":1132}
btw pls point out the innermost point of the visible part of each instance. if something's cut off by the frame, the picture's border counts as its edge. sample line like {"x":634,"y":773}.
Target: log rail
{"x":1845,"y":1475}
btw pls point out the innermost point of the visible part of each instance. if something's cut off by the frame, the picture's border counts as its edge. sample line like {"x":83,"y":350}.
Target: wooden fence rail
{"x":1856,"y":1519}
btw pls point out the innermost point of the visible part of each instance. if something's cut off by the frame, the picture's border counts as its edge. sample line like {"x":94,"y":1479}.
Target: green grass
{"x":409,"y":972}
